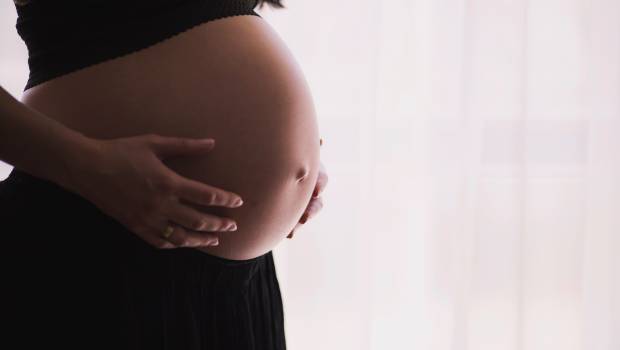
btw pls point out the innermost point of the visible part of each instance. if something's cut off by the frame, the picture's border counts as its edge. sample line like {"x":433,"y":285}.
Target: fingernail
{"x":208,"y":140}
{"x":216,"y":242}
{"x":238,"y":202}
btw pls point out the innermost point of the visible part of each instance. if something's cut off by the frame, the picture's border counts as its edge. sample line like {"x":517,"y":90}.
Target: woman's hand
{"x":316,"y":203}
{"x":128,"y":181}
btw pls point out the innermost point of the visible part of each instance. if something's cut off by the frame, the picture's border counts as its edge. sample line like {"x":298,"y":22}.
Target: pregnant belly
{"x":232,"y":79}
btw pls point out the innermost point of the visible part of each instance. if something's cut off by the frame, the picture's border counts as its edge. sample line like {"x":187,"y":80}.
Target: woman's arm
{"x":125,"y":177}
{"x":26,"y":135}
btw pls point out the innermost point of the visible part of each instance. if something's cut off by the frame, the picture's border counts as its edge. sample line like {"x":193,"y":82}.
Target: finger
{"x":290,"y":235}
{"x":185,"y":238}
{"x":158,"y":243}
{"x":200,"y":193}
{"x":321,"y":181}
{"x":316,"y":204}
{"x":166,"y":146}
{"x":196,"y":220}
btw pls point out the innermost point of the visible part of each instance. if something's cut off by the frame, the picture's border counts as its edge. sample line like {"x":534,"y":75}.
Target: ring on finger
{"x":168,"y":231}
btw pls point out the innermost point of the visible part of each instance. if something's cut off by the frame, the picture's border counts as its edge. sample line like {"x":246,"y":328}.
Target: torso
{"x":232,"y":79}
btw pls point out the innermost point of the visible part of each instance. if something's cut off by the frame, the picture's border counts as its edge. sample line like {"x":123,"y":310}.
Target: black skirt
{"x":73,"y":277}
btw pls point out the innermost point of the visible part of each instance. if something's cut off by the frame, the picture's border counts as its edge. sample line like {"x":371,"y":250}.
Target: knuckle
{"x":152,"y":137}
{"x":176,"y":238}
{"x":151,"y":140}
{"x":186,"y":143}
{"x":165,"y":184}
{"x":214,"y":226}
{"x":214,"y":198}
{"x":205,"y":223}
{"x":210,"y":197}
{"x":207,"y":226}
{"x":198,"y":224}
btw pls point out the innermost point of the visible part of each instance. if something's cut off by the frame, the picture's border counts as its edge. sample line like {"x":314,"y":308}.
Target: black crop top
{"x":63,"y":36}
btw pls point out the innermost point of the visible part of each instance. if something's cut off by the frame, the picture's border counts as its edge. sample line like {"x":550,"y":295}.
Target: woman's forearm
{"x":40,"y":145}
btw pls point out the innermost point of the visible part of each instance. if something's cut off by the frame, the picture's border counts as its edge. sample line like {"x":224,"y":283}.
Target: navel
{"x":302,"y":174}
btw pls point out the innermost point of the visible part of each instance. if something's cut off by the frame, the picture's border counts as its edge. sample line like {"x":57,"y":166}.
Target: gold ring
{"x":168,"y":231}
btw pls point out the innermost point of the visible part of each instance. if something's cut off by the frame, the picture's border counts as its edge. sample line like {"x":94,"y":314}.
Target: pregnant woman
{"x":122,"y":228}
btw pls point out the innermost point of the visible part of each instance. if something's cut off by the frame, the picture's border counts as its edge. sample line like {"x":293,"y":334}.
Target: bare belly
{"x":232,"y":79}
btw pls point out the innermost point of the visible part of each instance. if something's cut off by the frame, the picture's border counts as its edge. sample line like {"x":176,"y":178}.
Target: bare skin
{"x":131,"y":183}
{"x":232,"y":80}
{"x":316,"y":202}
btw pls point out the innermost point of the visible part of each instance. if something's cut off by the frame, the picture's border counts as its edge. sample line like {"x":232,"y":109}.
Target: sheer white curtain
{"x":474,"y":196}
{"x":472,"y":148}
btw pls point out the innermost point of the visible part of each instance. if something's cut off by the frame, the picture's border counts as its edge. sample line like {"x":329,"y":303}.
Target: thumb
{"x":166,"y":146}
